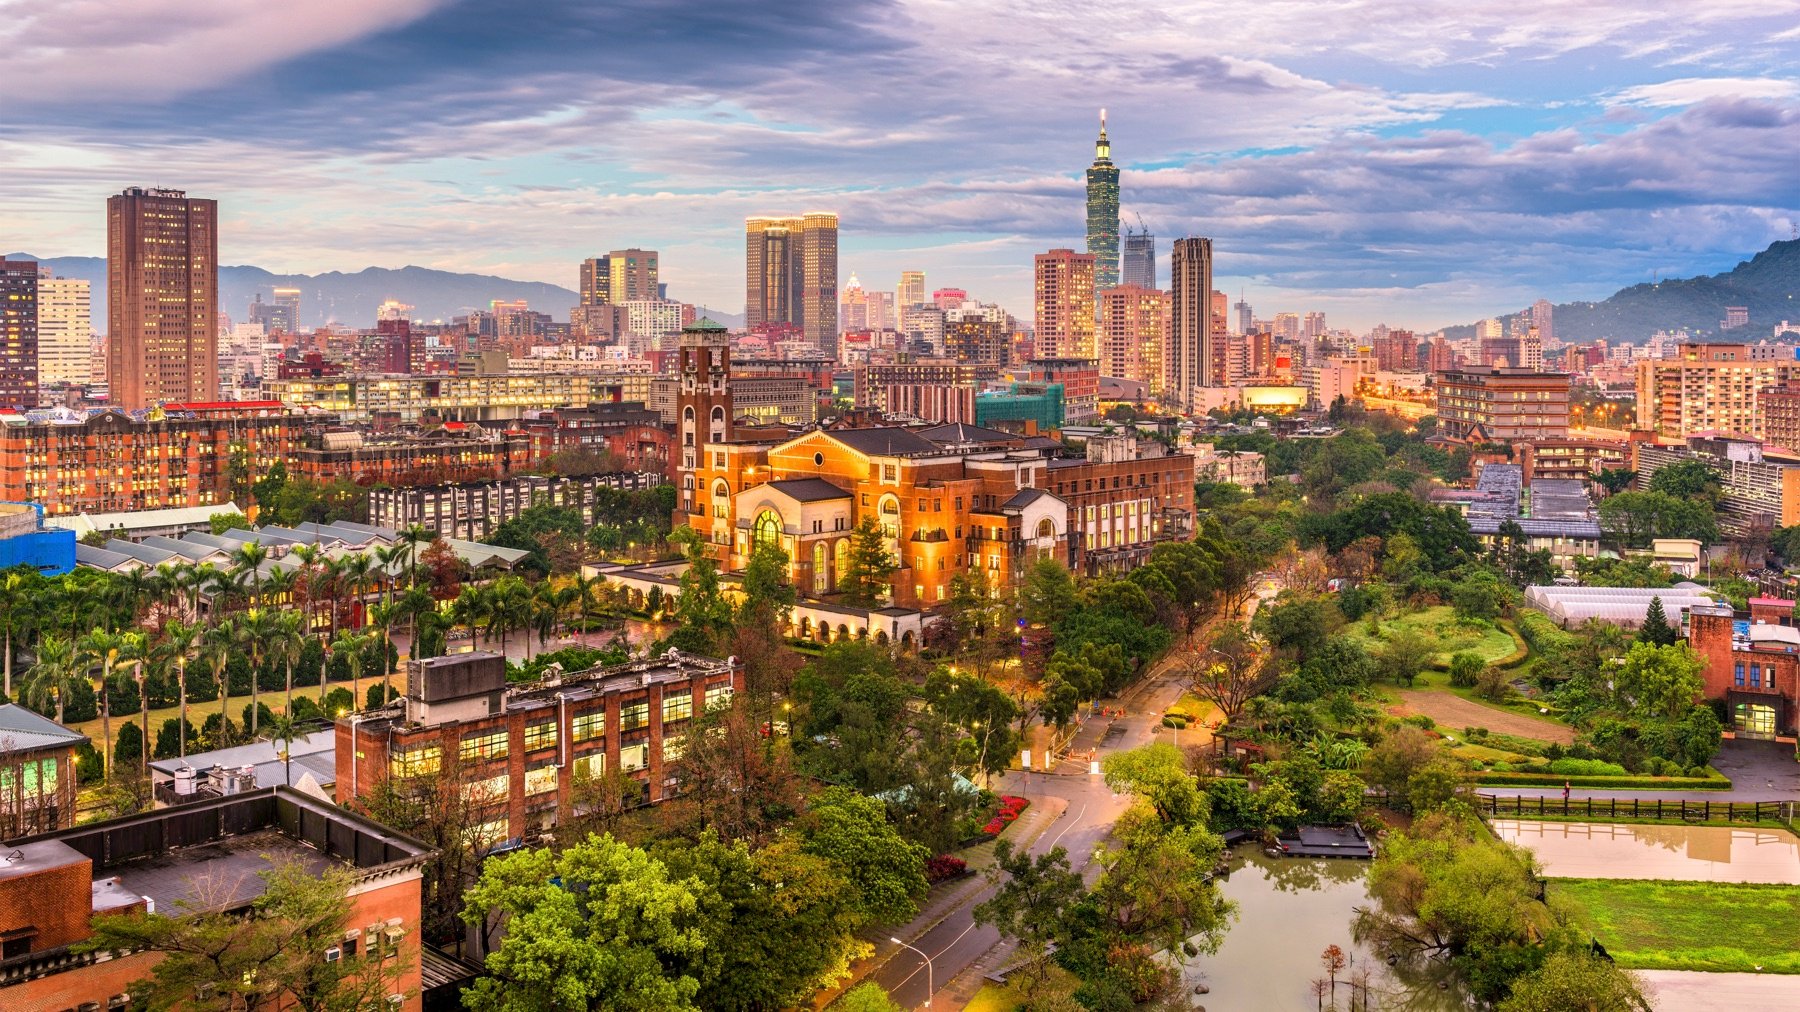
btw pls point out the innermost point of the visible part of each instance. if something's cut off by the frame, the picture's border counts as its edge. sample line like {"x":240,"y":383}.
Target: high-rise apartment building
{"x":1195,"y":356}
{"x":162,"y":306}
{"x":912,"y":289}
{"x":1133,"y":333}
{"x":1312,"y":326}
{"x":1709,"y":386}
{"x":287,"y":310}
{"x":1064,"y":300}
{"x":1287,"y":326}
{"x":1103,"y":213}
{"x":632,"y":276}
{"x":1543,"y":318}
{"x":790,"y":274}
{"x":1138,"y":264}
{"x":65,"y":331}
{"x":18,"y":334}
{"x":1489,"y":405}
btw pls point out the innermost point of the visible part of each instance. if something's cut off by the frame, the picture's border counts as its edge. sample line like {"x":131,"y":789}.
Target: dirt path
{"x":1456,"y":713}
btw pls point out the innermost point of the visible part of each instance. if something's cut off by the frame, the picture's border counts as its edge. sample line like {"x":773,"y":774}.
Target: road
{"x":1088,"y":810}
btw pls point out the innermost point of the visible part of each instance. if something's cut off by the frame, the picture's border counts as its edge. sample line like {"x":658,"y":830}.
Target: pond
{"x":1289,"y":910}
{"x":1665,"y":851}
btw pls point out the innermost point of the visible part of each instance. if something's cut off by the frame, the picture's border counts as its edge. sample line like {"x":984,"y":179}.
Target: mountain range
{"x":352,"y":299}
{"x":1768,"y":285}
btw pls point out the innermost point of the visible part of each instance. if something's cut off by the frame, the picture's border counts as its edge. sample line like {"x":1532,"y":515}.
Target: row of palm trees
{"x":116,"y":632}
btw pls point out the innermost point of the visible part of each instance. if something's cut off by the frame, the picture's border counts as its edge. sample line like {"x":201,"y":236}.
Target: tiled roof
{"x":808,"y":489}
{"x":885,"y":441}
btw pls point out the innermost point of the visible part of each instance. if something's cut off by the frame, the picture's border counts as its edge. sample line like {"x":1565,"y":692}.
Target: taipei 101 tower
{"x":1103,"y":213}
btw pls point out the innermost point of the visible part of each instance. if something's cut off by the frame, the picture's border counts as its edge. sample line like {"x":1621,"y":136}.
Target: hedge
{"x":1521,"y":649}
{"x":1627,"y":783}
{"x":1536,"y":629}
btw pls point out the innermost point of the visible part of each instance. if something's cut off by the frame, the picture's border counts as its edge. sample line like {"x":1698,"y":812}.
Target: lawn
{"x":1710,"y":926}
{"x":1441,"y":626}
{"x":1005,"y":998}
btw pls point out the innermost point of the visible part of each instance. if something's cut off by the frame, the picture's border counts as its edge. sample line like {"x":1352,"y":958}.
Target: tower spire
{"x":1102,"y":148}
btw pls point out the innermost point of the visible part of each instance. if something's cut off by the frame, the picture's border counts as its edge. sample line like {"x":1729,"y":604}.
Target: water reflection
{"x":1666,"y":851}
{"x":1289,"y":910}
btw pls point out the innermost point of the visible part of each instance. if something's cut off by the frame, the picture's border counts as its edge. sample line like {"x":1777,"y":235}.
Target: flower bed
{"x":1010,"y":807}
{"x":945,"y":867}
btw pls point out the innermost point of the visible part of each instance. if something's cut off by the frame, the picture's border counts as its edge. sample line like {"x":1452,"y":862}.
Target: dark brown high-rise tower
{"x":162,"y":288}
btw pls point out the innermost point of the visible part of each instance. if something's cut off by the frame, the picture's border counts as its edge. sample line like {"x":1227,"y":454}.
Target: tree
{"x":1047,"y":595}
{"x":1406,"y":653}
{"x":730,"y":779}
{"x":1229,"y":670}
{"x":868,"y":566}
{"x":1155,"y":886}
{"x":885,"y":871}
{"x":1031,"y":905}
{"x":1393,"y":761}
{"x":272,"y":958}
{"x":54,"y":676}
{"x":1634,"y":518}
{"x":1660,"y":680}
{"x":1615,"y":479}
{"x":1656,"y":629}
{"x":1576,"y":980}
{"x":1299,"y":625}
{"x":600,"y":926}
{"x":1157,"y":773}
{"x":1693,"y":480}
{"x":866,"y":997}
{"x":1479,"y":595}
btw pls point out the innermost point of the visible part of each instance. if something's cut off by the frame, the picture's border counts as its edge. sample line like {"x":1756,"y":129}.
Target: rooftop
{"x":23,"y":730}
{"x":885,"y":441}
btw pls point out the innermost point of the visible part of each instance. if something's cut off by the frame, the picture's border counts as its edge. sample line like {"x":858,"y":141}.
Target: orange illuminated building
{"x":1134,"y":327}
{"x":949,"y":498}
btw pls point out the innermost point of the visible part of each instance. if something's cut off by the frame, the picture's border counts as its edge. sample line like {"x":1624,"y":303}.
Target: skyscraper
{"x":65,"y":331}
{"x":790,"y":275}
{"x":18,"y":334}
{"x":632,"y":276}
{"x":1542,"y":317}
{"x":596,"y":281}
{"x":1103,"y":213}
{"x":1194,"y":358}
{"x":1139,"y":264}
{"x":287,"y":310}
{"x":162,"y":305}
{"x":912,"y":289}
{"x":1064,"y":298}
{"x":1246,"y":322}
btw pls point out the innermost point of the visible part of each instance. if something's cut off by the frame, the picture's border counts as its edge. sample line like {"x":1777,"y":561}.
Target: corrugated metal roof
{"x":23,"y":730}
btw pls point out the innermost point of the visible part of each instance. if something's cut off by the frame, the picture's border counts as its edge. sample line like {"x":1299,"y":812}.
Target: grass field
{"x":1710,"y":926}
{"x":1441,"y":626}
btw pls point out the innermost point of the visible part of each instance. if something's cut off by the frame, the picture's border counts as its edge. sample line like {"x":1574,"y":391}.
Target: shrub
{"x":1178,"y":723}
{"x":1586,"y":768}
{"x":1492,"y":684}
{"x":944,"y":866}
{"x":1420,"y":720}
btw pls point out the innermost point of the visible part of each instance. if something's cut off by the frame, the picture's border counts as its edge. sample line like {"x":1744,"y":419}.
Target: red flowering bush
{"x":944,"y":866}
{"x":993,"y":827}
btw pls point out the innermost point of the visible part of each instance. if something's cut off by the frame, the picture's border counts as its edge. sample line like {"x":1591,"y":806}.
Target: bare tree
{"x":1228,"y":670}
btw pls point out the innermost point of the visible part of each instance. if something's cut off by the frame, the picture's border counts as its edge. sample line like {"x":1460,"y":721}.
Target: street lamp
{"x":930,"y":988}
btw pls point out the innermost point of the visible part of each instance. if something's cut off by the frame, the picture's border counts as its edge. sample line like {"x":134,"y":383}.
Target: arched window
{"x":766,"y":531}
{"x":1046,"y":529}
{"x":890,"y":516}
{"x":842,"y":556}
{"x":721,"y":500}
{"x":687,"y":414}
{"x":821,"y":569}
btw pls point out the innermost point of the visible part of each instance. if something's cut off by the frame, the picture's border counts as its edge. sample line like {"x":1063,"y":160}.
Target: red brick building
{"x":518,"y":749}
{"x":629,"y":431}
{"x":451,"y":451}
{"x":202,"y":856}
{"x":1752,"y":663}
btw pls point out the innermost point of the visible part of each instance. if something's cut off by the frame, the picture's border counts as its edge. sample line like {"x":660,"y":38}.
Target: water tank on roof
{"x":184,"y":781}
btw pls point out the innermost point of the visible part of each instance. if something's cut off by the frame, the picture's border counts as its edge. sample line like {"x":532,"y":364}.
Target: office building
{"x":596,"y":281}
{"x":65,"y":332}
{"x":162,"y":286}
{"x":791,"y":272}
{"x":453,"y":451}
{"x":633,"y":276}
{"x":1246,"y":321}
{"x":18,"y":334}
{"x":1543,"y":317}
{"x":1133,"y":335}
{"x":1078,"y":377}
{"x":912,"y":289}
{"x":934,"y":390}
{"x":1709,"y":387}
{"x":204,"y":858}
{"x":1137,"y":264}
{"x":1195,"y":356}
{"x":1495,"y":405}
{"x":287,"y":310}
{"x":1063,"y":295}
{"x":977,"y":339}
{"x":1102,"y":218}
{"x":471,"y":511}
{"x":1759,"y":484}
{"x":479,"y":395}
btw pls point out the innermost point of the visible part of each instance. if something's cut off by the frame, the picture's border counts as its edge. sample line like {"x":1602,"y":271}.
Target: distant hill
{"x":351,"y":299}
{"x":1768,"y":284}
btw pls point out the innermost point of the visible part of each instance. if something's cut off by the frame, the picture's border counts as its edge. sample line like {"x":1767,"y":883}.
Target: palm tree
{"x":358,"y":571}
{"x":248,"y":561}
{"x":382,"y":616}
{"x":468,"y":610}
{"x":286,"y":646}
{"x":412,"y":537}
{"x":350,"y":645}
{"x":222,"y":586}
{"x":17,"y":598}
{"x":386,"y":558}
{"x":255,"y":628}
{"x":587,"y":596}
{"x":53,"y":675}
{"x":180,"y":639}
{"x":512,"y":609}
{"x":216,"y":648}
{"x":323,"y":587}
{"x":284,"y":729}
{"x":278,"y":586}
{"x":104,"y":648}
{"x":136,"y":650}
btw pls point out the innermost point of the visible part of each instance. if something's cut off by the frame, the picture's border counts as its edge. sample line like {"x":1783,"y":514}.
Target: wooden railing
{"x":1655,"y":809}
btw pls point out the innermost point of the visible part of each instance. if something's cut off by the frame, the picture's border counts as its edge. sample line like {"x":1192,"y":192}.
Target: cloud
{"x":1694,"y":90}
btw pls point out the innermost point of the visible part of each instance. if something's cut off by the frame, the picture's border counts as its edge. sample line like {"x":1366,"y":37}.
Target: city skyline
{"x":1410,"y":174}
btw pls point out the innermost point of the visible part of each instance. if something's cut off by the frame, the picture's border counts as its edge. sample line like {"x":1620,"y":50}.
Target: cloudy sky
{"x":1417,"y":162}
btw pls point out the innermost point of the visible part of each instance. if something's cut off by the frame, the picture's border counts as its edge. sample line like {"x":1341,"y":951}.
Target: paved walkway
{"x":1759,"y":771}
{"x":1678,"y":990}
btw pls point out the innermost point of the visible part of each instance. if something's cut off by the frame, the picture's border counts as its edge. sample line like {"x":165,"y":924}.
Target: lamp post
{"x":930,"y":987}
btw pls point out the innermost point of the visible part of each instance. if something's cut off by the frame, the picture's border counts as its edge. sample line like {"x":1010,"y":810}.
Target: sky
{"x":1414,"y":162}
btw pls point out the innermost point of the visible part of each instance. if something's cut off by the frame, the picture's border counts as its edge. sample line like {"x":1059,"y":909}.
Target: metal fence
{"x":1656,"y":809}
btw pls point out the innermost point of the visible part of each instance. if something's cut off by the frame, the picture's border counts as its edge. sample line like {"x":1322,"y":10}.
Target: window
{"x":540,"y":780}
{"x":540,"y":735}
{"x":678,"y":707}
{"x":1769,"y":677}
{"x":767,"y":531}
{"x":1738,"y":674}
{"x":422,"y":760}
{"x":634,"y":757}
{"x":492,"y":789}
{"x":591,"y":765}
{"x":718,"y":695}
{"x":890,"y":473}
{"x":478,"y":746}
{"x":674,"y":747}
{"x":634,"y":715}
{"x":588,"y":726}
